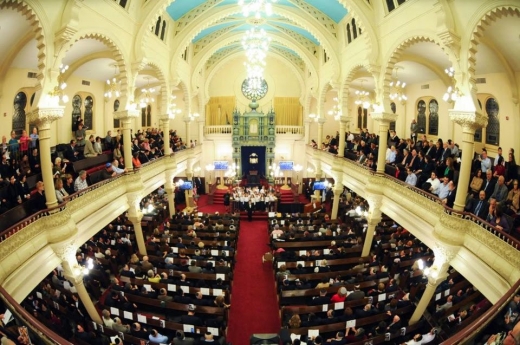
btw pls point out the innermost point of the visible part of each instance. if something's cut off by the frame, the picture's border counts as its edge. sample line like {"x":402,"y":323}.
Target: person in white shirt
{"x":428,"y":337}
{"x":81,"y":181}
{"x":417,"y":340}
{"x":411,"y":179}
{"x":117,"y":169}
{"x":444,"y":188}
{"x":434,"y":184}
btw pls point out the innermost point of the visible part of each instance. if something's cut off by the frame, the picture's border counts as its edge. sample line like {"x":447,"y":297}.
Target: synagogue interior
{"x":259,"y":172}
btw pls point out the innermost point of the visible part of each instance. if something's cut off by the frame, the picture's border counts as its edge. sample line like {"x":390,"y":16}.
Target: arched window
{"x":349,"y":36}
{"x":88,"y":120}
{"x":421,"y":116}
{"x":360,"y":117}
{"x":478,"y":132}
{"x":148,"y":115}
{"x":76,"y":111}
{"x":163,"y":30}
{"x":117,"y":123}
{"x":32,"y":99}
{"x":394,"y":109}
{"x":493,"y":127}
{"x":158,"y":26}
{"x":433,"y":123}
{"x":20,"y":101}
{"x":354,"y":29}
{"x":365,"y":118}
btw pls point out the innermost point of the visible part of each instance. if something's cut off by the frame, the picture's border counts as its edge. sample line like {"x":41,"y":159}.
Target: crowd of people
{"x":434,"y":167}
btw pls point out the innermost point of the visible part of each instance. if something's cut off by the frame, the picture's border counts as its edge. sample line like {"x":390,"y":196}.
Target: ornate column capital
{"x":321,"y":121}
{"x":186,"y":119}
{"x":345,"y":120}
{"x":166,"y":117}
{"x":128,"y":114}
{"x":45,"y":116}
{"x":136,"y":217}
{"x":468,"y":120}
{"x":383,"y":117}
{"x":450,"y":230}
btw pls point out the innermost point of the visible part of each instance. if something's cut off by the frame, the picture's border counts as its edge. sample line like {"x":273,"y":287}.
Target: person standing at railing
{"x":24,"y":142}
{"x":34,"y":138}
{"x":80,"y":135}
{"x":14,"y":146}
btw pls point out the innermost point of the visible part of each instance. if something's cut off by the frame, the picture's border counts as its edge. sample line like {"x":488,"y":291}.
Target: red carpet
{"x":254,"y":307}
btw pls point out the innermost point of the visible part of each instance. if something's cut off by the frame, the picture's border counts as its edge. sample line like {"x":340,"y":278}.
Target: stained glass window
{"x":394,"y":109}
{"x":76,"y":111}
{"x":20,"y":101}
{"x":349,"y":37}
{"x":433,"y":123}
{"x":117,"y":123}
{"x":478,"y":132}
{"x":421,"y":116}
{"x":493,"y":127}
{"x":88,"y":119}
{"x":148,"y":115}
{"x":354,"y":28}
{"x":360,"y":117}
{"x":365,"y":118}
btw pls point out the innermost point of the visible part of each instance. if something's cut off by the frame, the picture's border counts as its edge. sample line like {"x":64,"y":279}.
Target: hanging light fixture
{"x":172,"y":107}
{"x":363,"y":97}
{"x":112,"y":85}
{"x":397,"y":88}
{"x":194,"y":116}
{"x":257,"y":7}
{"x":147,"y":94}
{"x":453,"y":93}
{"x":256,"y":44}
{"x":57,"y":95}
{"x":336,"y":109}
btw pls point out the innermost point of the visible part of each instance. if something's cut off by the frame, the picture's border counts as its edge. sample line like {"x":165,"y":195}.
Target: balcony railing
{"x":226,"y":129}
{"x":295,"y":130}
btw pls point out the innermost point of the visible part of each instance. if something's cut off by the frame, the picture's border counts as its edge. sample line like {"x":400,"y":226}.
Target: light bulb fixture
{"x":112,"y":86}
{"x":194,"y":116}
{"x":363,"y":97}
{"x":336,"y":109}
{"x":172,"y":107}
{"x":256,"y":44}
{"x":397,"y":88}
{"x":453,"y":93}
{"x":313,"y":117}
{"x":146,"y":94}
{"x":57,"y":96}
{"x":257,"y":7}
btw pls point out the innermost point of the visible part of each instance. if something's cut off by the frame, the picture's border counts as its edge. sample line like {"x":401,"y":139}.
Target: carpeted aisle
{"x":254,"y":307}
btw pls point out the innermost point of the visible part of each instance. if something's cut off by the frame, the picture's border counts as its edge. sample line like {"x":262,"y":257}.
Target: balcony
{"x":488,"y":258}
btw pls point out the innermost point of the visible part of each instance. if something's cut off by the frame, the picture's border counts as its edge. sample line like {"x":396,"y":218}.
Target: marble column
{"x":170,"y":194}
{"x":200,"y":123}
{"x":126,"y":117}
{"x":335,"y":202}
{"x":384,"y":120}
{"x":135,"y":216}
{"x":436,"y":275}
{"x":343,"y":124}
{"x":187,"y":120}
{"x":321,"y":121}
{"x":73,"y":273}
{"x":165,"y":127}
{"x":43,"y":117}
{"x":369,"y":236}
{"x":469,"y":121}
{"x":307,"y":127}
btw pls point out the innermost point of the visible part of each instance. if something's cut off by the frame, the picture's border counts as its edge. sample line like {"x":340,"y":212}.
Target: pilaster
{"x":164,"y":120}
{"x":321,"y":121}
{"x":200,"y":122}
{"x":469,"y":121}
{"x":338,"y":189}
{"x":307,"y":125}
{"x":343,"y":125}
{"x":187,"y":120}
{"x":43,"y":117}
{"x":135,"y":217}
{"x":384,"y":120}
{"x":375,"y":201}
{"x":126,"y":117}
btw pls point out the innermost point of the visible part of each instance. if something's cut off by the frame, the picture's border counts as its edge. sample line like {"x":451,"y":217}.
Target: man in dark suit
{"x":479,"y":207}
{"x":70,"y":153}
{"x":356,"y":294}
{"x":488,"y":185}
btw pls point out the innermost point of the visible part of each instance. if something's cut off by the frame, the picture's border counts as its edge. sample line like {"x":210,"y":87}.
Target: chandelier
{"x":397,"y":89}
{"x":57,"y":95}
{"x":453,"y":93}
{"x":336,"y":109}
{"x":147,"y":94}
{"x":363,"y":97}
{"x":112,"y":85}
{"x":172,"y":107}
{"x":193,"y":116}
{"x":256,"y":7}
{"x":256,"y":44}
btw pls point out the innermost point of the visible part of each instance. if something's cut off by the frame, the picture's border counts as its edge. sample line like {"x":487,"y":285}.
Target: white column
{"x":43,"y":117}
{"x":343,"y":125}
{"x":135,"y":216}
{"x":369,"y":236}
{"x":335,"y":202}
{"x":126,"y":117}
{"x":164,"y":121}
{"x":384,"y":120}
{"x":307,"y":125}
{"x":469,"y":121}
{"x":187,"y":120}
{"x":321,"y":121}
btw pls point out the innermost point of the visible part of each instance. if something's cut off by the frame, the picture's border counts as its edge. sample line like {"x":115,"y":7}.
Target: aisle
{"x":254,"y":307}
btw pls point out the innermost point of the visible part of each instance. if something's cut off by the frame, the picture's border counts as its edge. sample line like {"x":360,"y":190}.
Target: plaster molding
{"x":469,"y":120}
{"x":383,"y":117}
{"x":45,"y":116}
{"x":127,"y":114}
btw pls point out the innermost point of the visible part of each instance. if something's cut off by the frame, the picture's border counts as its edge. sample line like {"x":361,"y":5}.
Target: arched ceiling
{"x":328,"y":13}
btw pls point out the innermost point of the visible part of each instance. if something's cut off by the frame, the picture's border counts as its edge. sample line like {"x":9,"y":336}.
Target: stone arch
{"x":113,"y":46}
{"x":322,"y":96}
{"x":151,"y":11}
{"x":187,"y":98}
{"x":345,"y":87}
{"x":163,"y":107}
{"x":383,"y":89}
{"x":485,"y":16}
{"x":214,"y":17}
{"x":35,"y":15}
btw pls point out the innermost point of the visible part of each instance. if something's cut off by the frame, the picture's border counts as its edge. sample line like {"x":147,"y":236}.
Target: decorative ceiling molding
{"x":294,"y":59}
{"x":305,"y":42}
{"x":200,"y":44}
{"x":222,"y":54}
{"x":193,"y":14}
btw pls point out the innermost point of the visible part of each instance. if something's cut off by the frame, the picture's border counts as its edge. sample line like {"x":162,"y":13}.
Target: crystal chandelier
{"x":112,"y":85}
{"x":363,"y":97}
{"x":256,"y":7}
{"x":256,"y":44}
{"x":397,"y":89}
{"x":336,"y":109}
{"x":57,"y":95}
{"x":453,"y":93}
{"x":172,"y":107}
{"x":147,"y":94}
